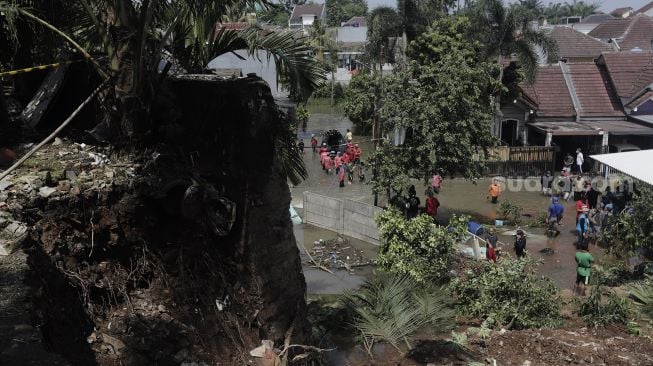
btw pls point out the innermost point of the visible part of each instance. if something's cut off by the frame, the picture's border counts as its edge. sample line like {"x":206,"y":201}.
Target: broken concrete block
{"x":45,"y":192}
{"x":11,"y":237}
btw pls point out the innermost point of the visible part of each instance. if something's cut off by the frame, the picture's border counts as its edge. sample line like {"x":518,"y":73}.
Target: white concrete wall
{"x":343,"y":216}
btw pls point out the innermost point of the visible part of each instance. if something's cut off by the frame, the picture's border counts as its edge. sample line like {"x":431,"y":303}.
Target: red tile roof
{"x":595,"y":93}
{"x":611,"y":28}
{"x":644,"y":79}
{"x":645,"y":8}
{"x":550,"y":93}
{"x":646,"y":96}
{"x":308,"y":9}
{"x":626,"y":69}
{"x":572,"y":43}
{"x":638,"y":34}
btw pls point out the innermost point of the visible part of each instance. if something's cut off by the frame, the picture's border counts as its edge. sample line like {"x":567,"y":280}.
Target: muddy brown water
{"x":457,"y":196}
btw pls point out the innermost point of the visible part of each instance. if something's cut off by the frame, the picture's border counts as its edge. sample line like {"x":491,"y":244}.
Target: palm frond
{"x":642,"y":294}
{"x":528,"y":58}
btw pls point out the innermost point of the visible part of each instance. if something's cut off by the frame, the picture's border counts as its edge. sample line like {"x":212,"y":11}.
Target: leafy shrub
{"x":613,"y":275}
{"x":540,"y":220}
{"x":417,"y":247}
{"x":642,"y":294}
{"x":596,"y":312}
{"x":632,"y":228}
{"x":508,"y":294}
{"x":510,"y":212}
{"x":302,"y":113}
{"x":392,"y":308}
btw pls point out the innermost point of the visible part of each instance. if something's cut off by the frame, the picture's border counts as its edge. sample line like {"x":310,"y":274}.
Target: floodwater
{"x":457,"y":196}
{"x":321,"y":282}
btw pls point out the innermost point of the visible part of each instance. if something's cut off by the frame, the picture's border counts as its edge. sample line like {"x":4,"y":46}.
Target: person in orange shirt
{"x":494,"y":191}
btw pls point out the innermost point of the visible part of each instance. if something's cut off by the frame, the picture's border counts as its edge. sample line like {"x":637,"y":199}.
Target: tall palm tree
{"x":505,"y":32}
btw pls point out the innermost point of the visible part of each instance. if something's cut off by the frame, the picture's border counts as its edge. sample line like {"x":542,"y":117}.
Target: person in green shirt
{"x":584,"y":260}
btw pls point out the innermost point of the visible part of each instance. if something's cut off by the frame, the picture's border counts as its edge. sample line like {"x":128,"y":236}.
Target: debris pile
{"x":337,"y":254}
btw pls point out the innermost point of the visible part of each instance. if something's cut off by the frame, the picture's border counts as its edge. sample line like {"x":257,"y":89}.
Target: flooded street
{"x":458,"y":196}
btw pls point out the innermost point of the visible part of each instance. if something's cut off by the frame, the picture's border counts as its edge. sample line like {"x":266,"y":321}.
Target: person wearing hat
{"x":520,"y":243}
{"x":582,"y":227}
{"x":313,"y":143}
{"x":555,"y":213}
{"x":491,"y":240}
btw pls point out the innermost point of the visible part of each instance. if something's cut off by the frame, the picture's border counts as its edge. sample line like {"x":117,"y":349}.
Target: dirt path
{"x":20,"y":341}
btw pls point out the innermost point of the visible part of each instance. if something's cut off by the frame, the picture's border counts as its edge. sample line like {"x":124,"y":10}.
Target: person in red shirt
{"x":328,"y":164}
{"x":432,"y":205}
{"x":338,"y":162}
{"x":581,"y":204}
{"x":313,"y":143}
{"x":346,"y":159}
{"x":357,"y":153}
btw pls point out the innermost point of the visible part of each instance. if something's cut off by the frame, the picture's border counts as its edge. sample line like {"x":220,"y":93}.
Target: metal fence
{"x":521,"y":161}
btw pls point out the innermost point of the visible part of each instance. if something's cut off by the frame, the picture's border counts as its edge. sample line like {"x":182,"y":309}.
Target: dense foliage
{"x":340,"y":11}
{"x":508,"y":294}
{"x":510,"y":212}
{"x":603,"y":306}
{"x":632,"y":228}
{"x":359,"y":100}
{"x":442,"y":100}
{"x":393,"y":308}
{"x":554,"y":12}
{"x":418,"y":15}
{"x":416,"y":247}
{"x":383,"y":23}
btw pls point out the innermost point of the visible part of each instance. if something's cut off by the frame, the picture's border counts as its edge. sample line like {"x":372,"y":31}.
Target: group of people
{"x":344,"y":161}
{"x":411,"y":204}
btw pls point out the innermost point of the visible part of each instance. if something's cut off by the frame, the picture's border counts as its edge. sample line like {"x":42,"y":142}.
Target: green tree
{"x":417,"y":15}
{"x":505,"y":31}
{"x":382,"y":23}
{"x":340,"y":11}
{"x":417,"y":248}
{"x":508,"y":294}
{"x":358,"y":102}
{"x":555,"y":12}
{"x":441,"y":99}
{"x":632,"y":228}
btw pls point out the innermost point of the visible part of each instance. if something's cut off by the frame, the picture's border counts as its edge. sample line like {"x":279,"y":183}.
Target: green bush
{"x":417,"y":247}
{"x":511,"y":212}
{"x":508,"y":294}
{"x":392,"y":308}
{"x":595,"y":311}
{"x":642,"y":294}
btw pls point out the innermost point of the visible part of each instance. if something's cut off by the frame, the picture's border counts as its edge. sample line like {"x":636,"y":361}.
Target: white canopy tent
{"x":637,"y":164}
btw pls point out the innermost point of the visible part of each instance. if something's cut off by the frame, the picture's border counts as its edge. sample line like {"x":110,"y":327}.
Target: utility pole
{"x":376,"y":126}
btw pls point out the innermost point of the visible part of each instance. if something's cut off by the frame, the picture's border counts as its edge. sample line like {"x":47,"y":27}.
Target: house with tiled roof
{"x":576,"y":46}
{"x":303,"y":16}
{"x":624,"y":12}
{"x":628,"y":71}
{"x":646,"y":9}
{"x":635,"y":33}
{"x":597,"y":18}
{"x":580,"y":104}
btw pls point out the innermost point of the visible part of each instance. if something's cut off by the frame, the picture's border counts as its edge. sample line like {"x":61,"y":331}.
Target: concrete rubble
{"x":58,"y":169}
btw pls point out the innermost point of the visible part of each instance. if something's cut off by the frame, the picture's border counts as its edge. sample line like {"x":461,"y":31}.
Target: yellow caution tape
{"x":35,"y":68}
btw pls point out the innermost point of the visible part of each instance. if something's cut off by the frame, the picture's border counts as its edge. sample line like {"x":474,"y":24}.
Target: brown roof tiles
{"x":550,"y":93}
{"x":626,"y":69}
{"x":611,"y":28}
{"x":595,"y":93}
{"x":639,"y":34}
{"x":573,"y":44}
{"x":645,"y":8}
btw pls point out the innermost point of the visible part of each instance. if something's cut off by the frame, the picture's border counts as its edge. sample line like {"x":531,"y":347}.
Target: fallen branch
{"x":55,"y":132}
{"x":315,"y":263}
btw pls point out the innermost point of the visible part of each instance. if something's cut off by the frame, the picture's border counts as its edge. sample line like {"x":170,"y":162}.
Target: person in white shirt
{"x":579,"y":161}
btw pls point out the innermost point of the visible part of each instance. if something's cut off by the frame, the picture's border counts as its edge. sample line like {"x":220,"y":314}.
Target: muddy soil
{"x":178,"y":253}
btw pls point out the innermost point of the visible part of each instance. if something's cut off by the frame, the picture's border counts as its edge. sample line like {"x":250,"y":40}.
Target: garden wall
{"x":347,"y":217}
